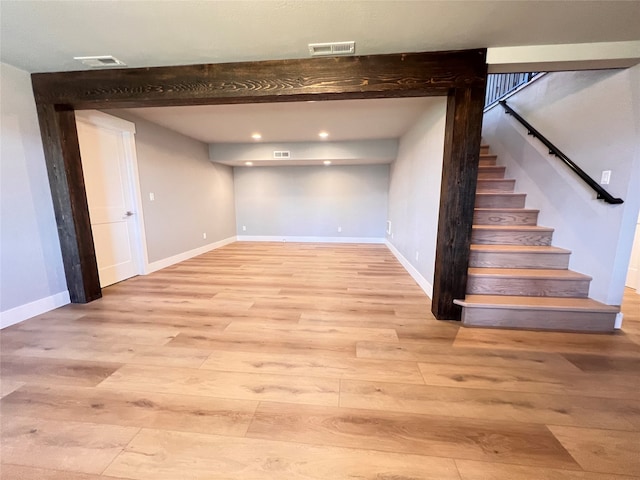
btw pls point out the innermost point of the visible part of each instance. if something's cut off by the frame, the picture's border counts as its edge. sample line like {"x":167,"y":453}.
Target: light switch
{"x":152,"y":197}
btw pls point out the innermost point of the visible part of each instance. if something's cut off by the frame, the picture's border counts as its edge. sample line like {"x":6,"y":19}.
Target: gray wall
{"x":594,"y":118}
{"x":359,"y":151}
{"x":192,"y":195}
{"x":312,"y":201}
{"x":414,"y":192}
{"x":30,"y":260}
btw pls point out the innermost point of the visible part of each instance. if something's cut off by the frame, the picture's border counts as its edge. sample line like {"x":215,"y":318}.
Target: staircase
{"x":516,"y":278}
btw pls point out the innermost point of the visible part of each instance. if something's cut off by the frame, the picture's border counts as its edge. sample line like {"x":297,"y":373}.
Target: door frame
{"x":461,"y":76}
{"x":127,"y":130}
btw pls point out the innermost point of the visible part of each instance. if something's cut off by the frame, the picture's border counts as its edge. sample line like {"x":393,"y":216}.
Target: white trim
{"x":287,"y":238}
{"x":141,"y":254}
{"x":420,"y":280}
{"x":618,"y":323}
{"x":181,"y":257}
{"x":29,"y":310}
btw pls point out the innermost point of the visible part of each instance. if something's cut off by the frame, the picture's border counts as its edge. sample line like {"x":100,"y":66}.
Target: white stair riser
{"x":558,"y":261}
{"x":511,"y":237}
{"x":505,"y":218}
{"x":528,"y":287}
{"x":539,"y":319}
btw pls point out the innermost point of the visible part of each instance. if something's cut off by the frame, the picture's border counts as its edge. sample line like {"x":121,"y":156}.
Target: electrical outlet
{"x":339,"y":229}
{"x":606,"y":177}
{"x":244,"y":228}
{"x":152,"y":197}
{"x":204,"y":235}
{"x":417,"y":255}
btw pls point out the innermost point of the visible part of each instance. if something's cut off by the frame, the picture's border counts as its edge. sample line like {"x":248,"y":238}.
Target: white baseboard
{"x":420,"y":280}
{"x":286,"y":238}
{"x":29,"y":310}
{"x":181,"y":257}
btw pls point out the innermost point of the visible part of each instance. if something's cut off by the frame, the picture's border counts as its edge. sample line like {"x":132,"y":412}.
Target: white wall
{"x":192,"y":195}
{"x":414,"y":194}
{"x":594,"y":118}
{"x":32,"y":277}
{"x":311,"y":201}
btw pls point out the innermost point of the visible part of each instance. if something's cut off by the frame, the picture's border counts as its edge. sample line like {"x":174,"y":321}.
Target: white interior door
{"x":112,"y":206}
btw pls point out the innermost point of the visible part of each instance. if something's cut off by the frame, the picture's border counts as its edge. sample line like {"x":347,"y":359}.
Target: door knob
{"x":128,"y":214}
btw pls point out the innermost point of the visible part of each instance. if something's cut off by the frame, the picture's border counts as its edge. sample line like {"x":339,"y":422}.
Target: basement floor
{"x":306,"y":361}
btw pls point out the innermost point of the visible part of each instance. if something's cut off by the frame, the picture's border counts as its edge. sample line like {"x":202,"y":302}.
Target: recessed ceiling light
{"x":323,"y":134}
{"x":327,"y":162}
{"x":256,"y":136}
{"x":248,"y":164}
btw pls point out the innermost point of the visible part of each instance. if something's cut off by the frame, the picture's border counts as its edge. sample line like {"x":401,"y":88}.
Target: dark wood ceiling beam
{"x":377,"y":76}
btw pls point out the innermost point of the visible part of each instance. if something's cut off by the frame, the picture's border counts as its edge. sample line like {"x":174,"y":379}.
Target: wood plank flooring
{"x":292,"y":361}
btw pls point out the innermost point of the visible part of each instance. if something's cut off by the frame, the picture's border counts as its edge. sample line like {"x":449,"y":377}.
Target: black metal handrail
{"x":553,"y":150}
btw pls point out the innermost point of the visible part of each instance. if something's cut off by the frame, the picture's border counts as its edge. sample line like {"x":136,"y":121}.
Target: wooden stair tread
{"x":538,"y":273}
{"x":518,"y":248}
{"x":519,"y":228}
{"x":538,"y":303}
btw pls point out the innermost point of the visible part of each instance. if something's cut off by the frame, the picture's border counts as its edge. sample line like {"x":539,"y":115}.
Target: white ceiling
{"x":39,"y":36}
{"x":43,"y":36}
{"x":292,"y":122}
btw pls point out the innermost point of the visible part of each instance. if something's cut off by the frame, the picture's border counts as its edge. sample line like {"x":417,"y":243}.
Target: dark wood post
{"x":64,"y":167}
{"x":457,"y":197}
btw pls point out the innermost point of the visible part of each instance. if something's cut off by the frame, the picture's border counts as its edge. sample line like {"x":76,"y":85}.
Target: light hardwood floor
{"x":306,"y":361}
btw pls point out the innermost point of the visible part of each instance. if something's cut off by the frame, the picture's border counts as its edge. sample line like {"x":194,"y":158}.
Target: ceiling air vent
{"x":100,"y":61}
{"x":281,"y":154}
{"x":335,"y":48}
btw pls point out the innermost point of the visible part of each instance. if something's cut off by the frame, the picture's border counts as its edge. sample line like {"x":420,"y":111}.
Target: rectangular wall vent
{"x":281,"y":154}
{"x":334,"y":48}
{"x":100,"y":61}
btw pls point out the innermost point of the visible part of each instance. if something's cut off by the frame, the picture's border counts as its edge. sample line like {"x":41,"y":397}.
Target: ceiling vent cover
{"x":100,"y":61}
{"x":281,"y":154}
{"x":334,"y":48}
